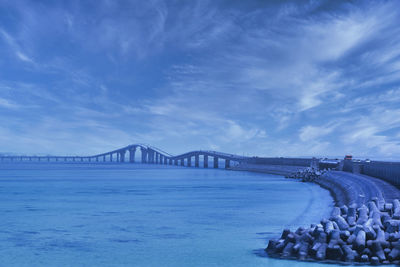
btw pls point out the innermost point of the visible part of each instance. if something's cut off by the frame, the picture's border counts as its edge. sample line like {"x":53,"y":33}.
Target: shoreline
{"x":345,"y":188}
{"x":363,"y":229}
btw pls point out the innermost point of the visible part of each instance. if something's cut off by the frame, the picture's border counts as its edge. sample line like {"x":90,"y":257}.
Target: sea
{"x":121,"y":214}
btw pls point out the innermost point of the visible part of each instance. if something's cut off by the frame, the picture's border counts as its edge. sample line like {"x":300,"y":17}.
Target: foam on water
{"x":147,"y":215}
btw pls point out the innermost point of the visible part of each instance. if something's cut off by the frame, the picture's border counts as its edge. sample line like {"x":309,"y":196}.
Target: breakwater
{"x":363,"y":228}
{"x":364,"y":234}
{"x":388,"y":171}
{"x":306,"y":175}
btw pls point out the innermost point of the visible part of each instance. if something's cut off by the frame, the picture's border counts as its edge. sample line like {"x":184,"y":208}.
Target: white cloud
{"x":5,"y":103}
{"x":309,"y":133}
{"x":23,"y":57}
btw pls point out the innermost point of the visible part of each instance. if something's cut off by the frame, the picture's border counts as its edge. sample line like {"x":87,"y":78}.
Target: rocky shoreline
{"x":363,"y":227}
{"x":306,"y":175}
{"x":365,"y":234}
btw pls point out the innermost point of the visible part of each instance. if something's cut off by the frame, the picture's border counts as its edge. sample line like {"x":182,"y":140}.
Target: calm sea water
{"x":147,"y":215}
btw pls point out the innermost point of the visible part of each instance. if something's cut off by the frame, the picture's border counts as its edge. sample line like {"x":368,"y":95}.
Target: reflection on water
{"x":143,"y":215}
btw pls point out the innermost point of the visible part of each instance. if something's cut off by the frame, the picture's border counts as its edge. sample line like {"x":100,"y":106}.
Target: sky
{"x":266,"y":78}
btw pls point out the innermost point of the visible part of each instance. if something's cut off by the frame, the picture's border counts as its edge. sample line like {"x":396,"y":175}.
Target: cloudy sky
{"x":268,"y":78}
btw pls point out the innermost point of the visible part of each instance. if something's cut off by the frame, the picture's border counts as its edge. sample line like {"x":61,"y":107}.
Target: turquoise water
{"x":147,"y":215}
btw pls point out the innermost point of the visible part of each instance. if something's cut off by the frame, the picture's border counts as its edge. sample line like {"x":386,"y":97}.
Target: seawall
{"x":387,"y":171}
{"x":364,"y":227}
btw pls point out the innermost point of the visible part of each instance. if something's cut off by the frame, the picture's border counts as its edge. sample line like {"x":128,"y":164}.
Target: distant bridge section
{"x":149,"y":154}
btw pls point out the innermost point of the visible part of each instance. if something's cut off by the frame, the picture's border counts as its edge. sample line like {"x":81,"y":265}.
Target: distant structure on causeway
{"x":149,"y":154}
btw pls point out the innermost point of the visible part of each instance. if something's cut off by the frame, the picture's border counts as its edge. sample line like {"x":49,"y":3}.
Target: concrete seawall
{"x":388,"y":171}
{"x":278,"y":166}
{"x":347,"y":188}
{"x":271,"y":169}
{"x":364,"y":227}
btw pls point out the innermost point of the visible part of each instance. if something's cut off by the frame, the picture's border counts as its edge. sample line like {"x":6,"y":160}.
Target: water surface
{"x":146,"y":215}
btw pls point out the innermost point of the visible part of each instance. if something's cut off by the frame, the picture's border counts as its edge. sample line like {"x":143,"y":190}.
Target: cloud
{"x":309,"y":133}
{"x":266,"y":78}
{"x":5,"y":103}
{"x":14,"y":46}
{"x":23,"y":57}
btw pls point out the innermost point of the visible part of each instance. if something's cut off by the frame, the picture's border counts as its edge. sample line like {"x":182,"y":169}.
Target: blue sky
{"x":268,"y":78}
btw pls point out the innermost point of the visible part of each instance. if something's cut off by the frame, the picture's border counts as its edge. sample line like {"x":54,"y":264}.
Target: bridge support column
{"x":189,"y":161}
{"x":170,"y":161}
{"x":176,"y":162}
{"x":122,"y":155}
{"x":182,"y":162}
{"x":132,"y":154}
{"x":151,"y":156}
{"x":165,"y":160}
{"x":227,"y":164}
{"x":111,"y":157}
{"x":144,"y":154}
{"x":216,"y":162}
{"x":205,"y":161}
{"x":196,"y":160}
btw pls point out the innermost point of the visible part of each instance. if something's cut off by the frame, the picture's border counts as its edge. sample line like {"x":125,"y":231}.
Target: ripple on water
{"x":142,"y":215}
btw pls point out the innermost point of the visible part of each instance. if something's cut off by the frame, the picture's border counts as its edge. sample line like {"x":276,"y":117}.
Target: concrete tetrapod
{"x":369,"y":234}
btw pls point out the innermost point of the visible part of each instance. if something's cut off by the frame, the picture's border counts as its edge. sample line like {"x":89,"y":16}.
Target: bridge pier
{"x":182,"y":162}
{"x":189,"y":161}
{"x":132,"y":154}
{"x":104,"y":158}
{"x":175,"y":162}
{"x":170,"y":162}
{"x":227,"y":164}
{"x":144,"y":154}
{"x":165,"y":160}
{"x":196,"y":160}
{"x":205,"y":163}
{"x":152,"y":155}
{"x":122,"y":155}
{"x":111,"y":157}
{"x":215,"y":162}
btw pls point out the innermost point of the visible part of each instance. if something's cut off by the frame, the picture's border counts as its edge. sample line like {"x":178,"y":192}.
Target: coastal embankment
{"x":348,"y":188}
{"x":364,"y":226}
{"x":278,"y":166}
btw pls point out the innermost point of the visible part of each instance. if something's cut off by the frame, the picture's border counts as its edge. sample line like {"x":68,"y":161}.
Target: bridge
{"x":149,"y":154}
